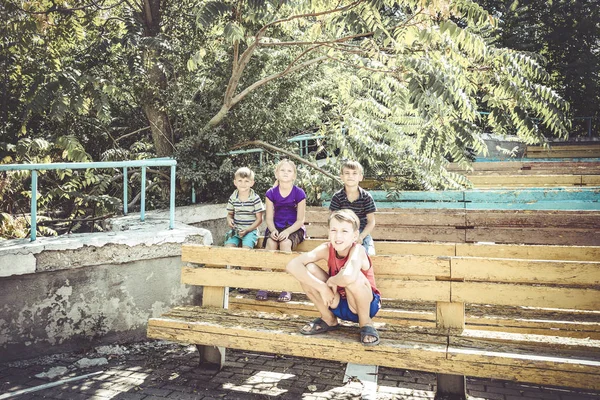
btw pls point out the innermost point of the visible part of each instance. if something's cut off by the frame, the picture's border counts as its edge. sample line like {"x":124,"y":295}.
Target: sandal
{"x":262,"y":295}
{"x":368,"y":330}
{"x":284,"y":297}
{"x":318,"y":326}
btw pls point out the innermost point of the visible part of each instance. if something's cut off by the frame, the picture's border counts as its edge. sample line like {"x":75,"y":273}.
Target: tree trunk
{"x":162,"y":134}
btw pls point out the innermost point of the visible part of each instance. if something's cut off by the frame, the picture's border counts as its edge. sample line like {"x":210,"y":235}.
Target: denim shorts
{"x":343,"y":311}
{"x":369,"y":245}
{"x":249,"y":239}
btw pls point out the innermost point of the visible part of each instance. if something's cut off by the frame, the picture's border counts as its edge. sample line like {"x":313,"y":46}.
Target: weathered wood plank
{"x":320,"y":215}
{"x":533,"y":218}
{"x":526,"y":295}
{"x":529,"y":167}
{"x":534,"y":235}
{"x":533,"y":252}
{"x":510,"y":181}
{"x":491,"y":250}
{"x":427,"y":290}
{"x":428,"y":267}
{"x":526,"y":271}
{"x":409,"y":233}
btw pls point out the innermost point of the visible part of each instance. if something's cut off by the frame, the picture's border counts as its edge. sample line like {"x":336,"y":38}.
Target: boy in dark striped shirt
{"x":244,"y":211}
{"x":355,"y":198}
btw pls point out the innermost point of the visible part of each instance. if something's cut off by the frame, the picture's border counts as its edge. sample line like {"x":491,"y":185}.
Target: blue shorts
{"x":343,"y":309}
{"x":369,"y":245}
{"x":249,"y":239}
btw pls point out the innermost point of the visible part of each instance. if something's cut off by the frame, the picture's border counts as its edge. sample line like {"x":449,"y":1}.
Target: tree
{"x":412,"y":76}
{"x":567,"y":34}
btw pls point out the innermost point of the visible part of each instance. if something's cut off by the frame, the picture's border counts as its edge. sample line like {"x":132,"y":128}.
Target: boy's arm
{"x":349,"y":273}
{"x":230,"y":216}
{"x":368,"y":228}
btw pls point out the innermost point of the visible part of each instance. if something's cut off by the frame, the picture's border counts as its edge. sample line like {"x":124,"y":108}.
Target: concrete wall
{"x":76,"y":291}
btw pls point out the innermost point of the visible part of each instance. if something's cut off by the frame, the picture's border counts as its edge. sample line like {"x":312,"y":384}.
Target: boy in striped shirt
{"x":244,"y":211}
{"x":355,"y":198}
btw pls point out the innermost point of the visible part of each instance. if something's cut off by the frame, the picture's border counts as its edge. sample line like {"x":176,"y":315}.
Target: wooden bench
{"x":434,"y":336}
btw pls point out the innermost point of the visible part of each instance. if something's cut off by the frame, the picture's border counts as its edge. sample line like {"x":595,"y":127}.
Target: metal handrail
{"x":152,"y":162}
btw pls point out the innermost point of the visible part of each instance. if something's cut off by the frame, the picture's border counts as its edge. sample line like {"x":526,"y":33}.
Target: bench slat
{"x":429,"y":267}
{"x":526,"y":296}
{"x":521,"y":271}
{"x":416,"y":290}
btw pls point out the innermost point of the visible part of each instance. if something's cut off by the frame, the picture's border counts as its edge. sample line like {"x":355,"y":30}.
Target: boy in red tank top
{"x":347,"y":291}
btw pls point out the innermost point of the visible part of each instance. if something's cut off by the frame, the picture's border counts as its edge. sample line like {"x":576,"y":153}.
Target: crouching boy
{"x":348,"y":291}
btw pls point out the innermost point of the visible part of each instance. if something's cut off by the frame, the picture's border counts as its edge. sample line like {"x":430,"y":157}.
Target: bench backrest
{"x":550,"y":227}
{"x":474,"y":280}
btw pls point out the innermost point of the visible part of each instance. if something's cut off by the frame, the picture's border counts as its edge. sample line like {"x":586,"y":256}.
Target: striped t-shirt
{"x":244,"y":212}
{"x":362,"y":206}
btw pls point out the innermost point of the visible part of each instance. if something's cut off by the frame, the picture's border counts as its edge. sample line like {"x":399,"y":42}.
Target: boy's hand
{"x":242,"y":233}
{"x":230,"y":223}
{"x":328,"y":296}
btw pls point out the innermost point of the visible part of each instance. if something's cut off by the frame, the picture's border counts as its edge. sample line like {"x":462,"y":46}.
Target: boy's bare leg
{"x":360,"y":296}
{"x":314,"y":295}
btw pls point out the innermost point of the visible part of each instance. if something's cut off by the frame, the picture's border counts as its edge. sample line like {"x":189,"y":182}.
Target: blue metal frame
{"x":152,"y":162}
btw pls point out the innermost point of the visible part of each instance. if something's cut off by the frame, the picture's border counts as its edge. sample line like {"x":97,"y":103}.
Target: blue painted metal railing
{"x":143,"y":164}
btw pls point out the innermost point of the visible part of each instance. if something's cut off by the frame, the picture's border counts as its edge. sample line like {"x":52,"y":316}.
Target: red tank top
{"x":335,"y":264}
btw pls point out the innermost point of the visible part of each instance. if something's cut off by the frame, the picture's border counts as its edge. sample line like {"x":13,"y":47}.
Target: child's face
{"x":342,"y":234}
{"x":351,"y":177}
{"x":285,"y":173}
{"x":243,"y":185}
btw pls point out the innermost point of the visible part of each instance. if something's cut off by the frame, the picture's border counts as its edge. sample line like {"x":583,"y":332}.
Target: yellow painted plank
{"x":270,"y":280}
{"x":397,"y":265}
{"x":526,"y":271}
{"x":534,"y":252}
{"x":524,"y":180}
{"x":526,"y":295}
{"x":590,"y":180}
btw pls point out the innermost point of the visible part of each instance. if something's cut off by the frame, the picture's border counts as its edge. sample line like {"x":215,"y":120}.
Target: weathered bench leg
{"x":451,"y":387}
{"x":217,"y":297}
{"x":450,"y":316}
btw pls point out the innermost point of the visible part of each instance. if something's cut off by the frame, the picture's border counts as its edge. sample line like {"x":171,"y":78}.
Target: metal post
{"x":193,"y":194}
{"x":33,"y":224}
{"x":124,"y":190}
{"x":143,"y":198}
{"x":172,"y":200}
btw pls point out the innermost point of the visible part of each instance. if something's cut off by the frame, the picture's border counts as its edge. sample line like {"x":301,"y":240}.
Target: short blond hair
{"x":345,"y":215}
{"x":244,"y":172}
{"x":353,"y":165}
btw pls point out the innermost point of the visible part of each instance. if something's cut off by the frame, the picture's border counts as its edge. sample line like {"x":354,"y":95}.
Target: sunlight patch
{"x":264,"y":382}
